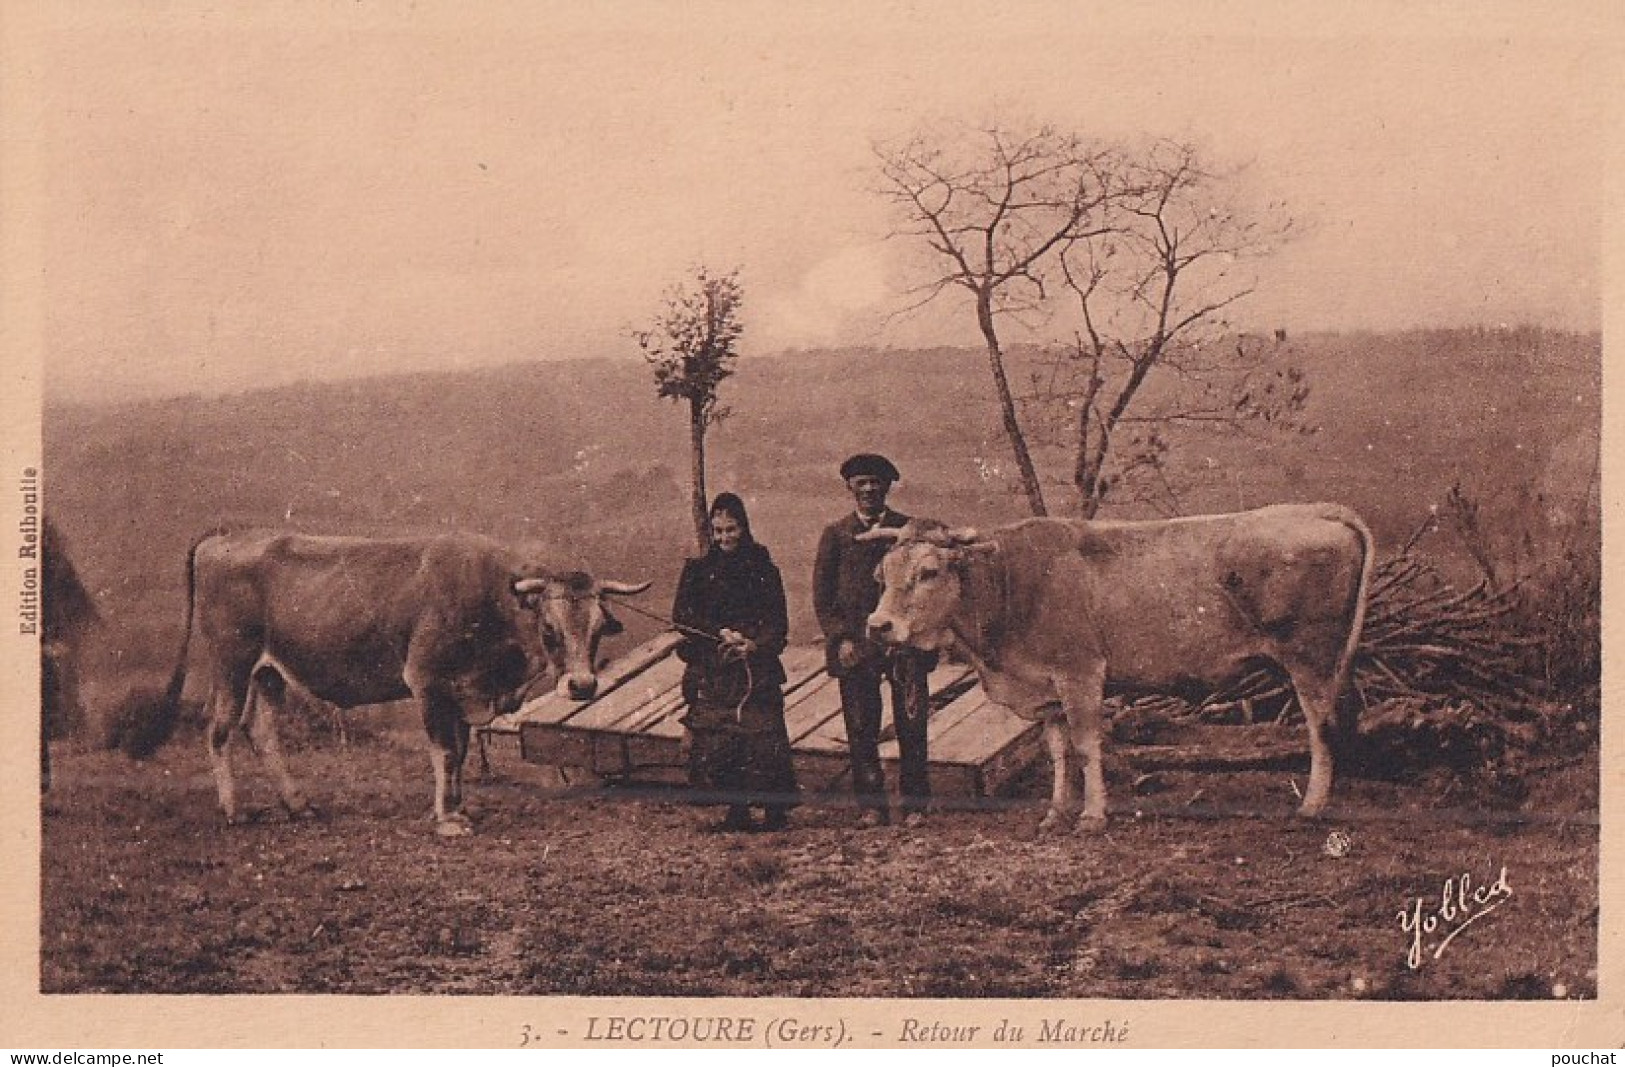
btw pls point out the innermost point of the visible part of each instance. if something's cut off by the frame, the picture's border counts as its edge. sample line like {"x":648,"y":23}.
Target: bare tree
{"x":1154,"y":352}
{"x":691,"y":347}
{"x":995,"y":207}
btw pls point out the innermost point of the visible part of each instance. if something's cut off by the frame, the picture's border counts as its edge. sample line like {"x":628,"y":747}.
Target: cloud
{"x":836,"y":295}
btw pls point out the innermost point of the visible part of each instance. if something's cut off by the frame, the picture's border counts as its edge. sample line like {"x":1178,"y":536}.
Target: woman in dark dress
{"x":739,"y":751}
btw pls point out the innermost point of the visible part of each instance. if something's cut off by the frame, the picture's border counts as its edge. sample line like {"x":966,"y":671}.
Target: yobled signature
{"x":1433,"y":925}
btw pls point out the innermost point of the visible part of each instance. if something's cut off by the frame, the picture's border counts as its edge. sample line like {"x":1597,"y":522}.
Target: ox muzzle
{"x":887,"y":631}
{"x":577,"y":686}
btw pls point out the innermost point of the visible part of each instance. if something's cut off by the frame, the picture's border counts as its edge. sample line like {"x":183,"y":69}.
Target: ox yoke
{"x":1163,"y":605}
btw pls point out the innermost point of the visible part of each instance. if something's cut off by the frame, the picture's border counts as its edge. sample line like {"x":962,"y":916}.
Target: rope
{"x":750,"y":677}
{"x":674,"y":624}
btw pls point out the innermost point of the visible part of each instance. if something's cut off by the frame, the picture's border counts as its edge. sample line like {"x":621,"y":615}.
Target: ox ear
{"x":960,"y":555}
{"x":612,"y":626}
{"x":1092,"y":545}
{"x":623,"y":588}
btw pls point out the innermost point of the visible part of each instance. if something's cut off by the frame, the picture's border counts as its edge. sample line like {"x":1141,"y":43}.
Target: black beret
{"x":871,"y":464}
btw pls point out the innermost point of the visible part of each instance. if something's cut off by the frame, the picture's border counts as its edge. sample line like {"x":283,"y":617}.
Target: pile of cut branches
{"x":1426,"y":641}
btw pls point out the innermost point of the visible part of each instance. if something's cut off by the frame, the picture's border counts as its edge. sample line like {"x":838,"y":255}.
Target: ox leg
{"x":1318,"y":697}
{"x":459,"y":757}
{"x":226,"y":708}
{"x":265,"y":691}
{"x":1082,"y":699}
{"x":448,"y":743}
{"x":1059,"y":744}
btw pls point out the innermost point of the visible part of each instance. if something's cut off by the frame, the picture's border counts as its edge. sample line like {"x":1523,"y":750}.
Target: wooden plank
{"x":820,"y":771}
{"x":656,"y":683}
{"x":551,"y":707}
{"x":815,"y":697}
{"x":667,"y":705}
{"x":974,"y":746}
{"x":1000,"y":768}
{"x":818,"y":705}
{"x":827,"y":735}
{"x":648,"y":750}
{"x":565,"y":746}
{"x":948,"y":677}
{"x":982,"y":734}
{"x":669,"y":724}
{"x":802,"y":664}
{"x":973,"y":736}
{"x":944,"y":721}
{"x":634,"y":728}
{"x":951,"y":780}
{"x":613,"y":755}
{"x":823,"y":773}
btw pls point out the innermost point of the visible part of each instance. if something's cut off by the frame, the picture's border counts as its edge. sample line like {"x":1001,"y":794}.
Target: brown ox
{"x":66,"y":613}
{"x":457,"y":622}
{"x":1049,"y":611}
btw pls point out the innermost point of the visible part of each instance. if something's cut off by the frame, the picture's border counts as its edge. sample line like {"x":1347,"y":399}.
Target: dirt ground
{"x":1206,"y":888}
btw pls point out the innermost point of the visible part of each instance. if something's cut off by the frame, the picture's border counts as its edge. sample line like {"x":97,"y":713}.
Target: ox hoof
{"x":301,"y":813}
{"x":1090,"y":825}
{"x":1055,"y":822}
{"x":1307,"y":811}
{"x":453,"y":824}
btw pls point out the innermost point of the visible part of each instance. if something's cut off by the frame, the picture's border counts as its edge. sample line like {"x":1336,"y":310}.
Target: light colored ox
{"x":1049,"y":611}
{"x":457,"y":622}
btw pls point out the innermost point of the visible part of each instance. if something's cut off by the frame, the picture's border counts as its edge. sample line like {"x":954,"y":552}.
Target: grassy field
{"x":1207,"y":890}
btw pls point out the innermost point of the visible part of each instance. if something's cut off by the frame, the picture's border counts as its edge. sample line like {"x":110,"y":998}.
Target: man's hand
{"x":846,"y":653}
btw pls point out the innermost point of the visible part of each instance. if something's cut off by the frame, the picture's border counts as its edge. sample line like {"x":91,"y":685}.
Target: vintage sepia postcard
{"x":739,"y":525}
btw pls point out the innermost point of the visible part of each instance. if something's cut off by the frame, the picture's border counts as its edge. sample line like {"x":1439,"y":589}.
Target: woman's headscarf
{"x":730,"y":504}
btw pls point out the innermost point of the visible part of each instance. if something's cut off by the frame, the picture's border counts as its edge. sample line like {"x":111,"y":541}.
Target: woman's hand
{"x":736,"y":645}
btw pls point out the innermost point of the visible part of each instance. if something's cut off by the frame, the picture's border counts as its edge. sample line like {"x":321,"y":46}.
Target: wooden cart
{"x":633,"y":729}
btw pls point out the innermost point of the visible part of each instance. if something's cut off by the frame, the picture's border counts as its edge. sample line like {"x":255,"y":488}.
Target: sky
{"x":223,"y":200}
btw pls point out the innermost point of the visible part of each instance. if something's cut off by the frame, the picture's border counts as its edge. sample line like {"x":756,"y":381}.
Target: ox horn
{"x":968,"y":539}
{"x":623,"y":588}
{"x":885,"y":533}
{"x":960,"y":538}
{"x":940,"y":533}
{"x":524,"y":586}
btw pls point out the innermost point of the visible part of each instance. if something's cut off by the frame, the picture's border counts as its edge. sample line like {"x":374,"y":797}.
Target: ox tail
{"x":148,"y":719}
{"x":1349,"y":700}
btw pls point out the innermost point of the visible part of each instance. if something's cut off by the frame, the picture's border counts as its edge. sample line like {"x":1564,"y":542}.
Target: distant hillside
{"x":583,"y":455}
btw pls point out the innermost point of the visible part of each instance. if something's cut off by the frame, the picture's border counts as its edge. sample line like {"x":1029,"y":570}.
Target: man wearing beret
{"x":845,"y":592}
